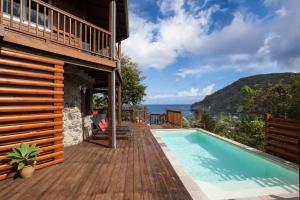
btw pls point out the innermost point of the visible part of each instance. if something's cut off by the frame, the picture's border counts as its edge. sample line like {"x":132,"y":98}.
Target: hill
{"x":229,"y":98}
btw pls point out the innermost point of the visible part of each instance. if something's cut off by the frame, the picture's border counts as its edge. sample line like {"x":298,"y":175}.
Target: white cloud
{"x":239,"y":57}
{"x":265,"y":49}
{"x":192,"y":92}
{"x":246,"y":41}
{"x":282,"y":12}
{"x":188,"y":71}
{"x":167,"y":6}
{"x":158,"y":44}
{"x":208,"y":90}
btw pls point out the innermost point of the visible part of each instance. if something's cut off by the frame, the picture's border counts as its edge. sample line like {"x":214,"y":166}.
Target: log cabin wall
{"x":31,"y":103}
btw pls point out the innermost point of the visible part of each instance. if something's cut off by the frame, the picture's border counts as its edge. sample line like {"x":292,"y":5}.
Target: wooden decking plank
{"x":138,"y":187}
{"x":69,"y":178}
{"x":146,"y":178}
{"x":89,"y":174}
{"x":137,"y":170}
{"x":129,"y":183}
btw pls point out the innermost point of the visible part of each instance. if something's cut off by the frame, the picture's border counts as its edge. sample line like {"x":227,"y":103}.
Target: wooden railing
{"x":48,"y":22}
{"x":282,"y":138}
{"x":135,"y":115}
{"x":174,"y":118}
{"x":157,"y":119}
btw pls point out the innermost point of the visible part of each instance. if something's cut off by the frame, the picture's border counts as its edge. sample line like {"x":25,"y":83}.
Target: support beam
{"x":112,"y":88}
{"x":119,"y":105}
{"x":113,"y":107}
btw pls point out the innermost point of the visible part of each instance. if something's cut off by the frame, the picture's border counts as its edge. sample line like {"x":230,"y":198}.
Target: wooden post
{"x":145,"y":114}
{"x":112,"y":29}
{"x":119,"y":105}
{"x":109,"y":108}
{"x":268,"y":116}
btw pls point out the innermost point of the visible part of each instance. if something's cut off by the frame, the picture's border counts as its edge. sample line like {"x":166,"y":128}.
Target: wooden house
{"x":54,"y":55}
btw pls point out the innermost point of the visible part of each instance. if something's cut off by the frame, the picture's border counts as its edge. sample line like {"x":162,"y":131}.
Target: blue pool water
{"x":219,"y":165}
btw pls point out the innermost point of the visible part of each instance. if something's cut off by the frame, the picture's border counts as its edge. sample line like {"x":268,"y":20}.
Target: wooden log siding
{"x":174,"y":117}
{"x":282,"y":138}
{"x":31,"y":103}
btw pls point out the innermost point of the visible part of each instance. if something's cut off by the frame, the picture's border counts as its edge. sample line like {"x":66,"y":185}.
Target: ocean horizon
{"x":161,"y":108}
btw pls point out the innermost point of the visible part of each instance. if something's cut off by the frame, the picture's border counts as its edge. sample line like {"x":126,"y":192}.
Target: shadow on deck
{"x":137,"y":169}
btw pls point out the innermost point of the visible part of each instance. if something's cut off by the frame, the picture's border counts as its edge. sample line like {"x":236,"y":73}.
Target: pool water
{"x":223,"y":170}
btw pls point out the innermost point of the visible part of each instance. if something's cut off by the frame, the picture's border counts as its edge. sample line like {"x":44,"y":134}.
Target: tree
{"x":251,"y":133}
{"x":133,"y":90}
{"x":275,"y":99}
{"x":204,"y":120}
{"x":100,"y":102}
{"x":295,"y":107}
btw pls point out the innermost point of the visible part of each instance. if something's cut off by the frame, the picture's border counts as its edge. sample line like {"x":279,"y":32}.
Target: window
{"x":25,"y":15}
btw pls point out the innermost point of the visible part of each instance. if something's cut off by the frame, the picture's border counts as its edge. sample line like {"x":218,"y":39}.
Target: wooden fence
{"x":31,"y":103}
{"x":174,"y":118}
{"x":135,"y":115}
{"x":157,"y":119}
{"x":282,"y":138}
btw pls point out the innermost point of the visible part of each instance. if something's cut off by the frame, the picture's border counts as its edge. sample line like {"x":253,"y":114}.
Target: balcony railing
{"x":48,"y":22}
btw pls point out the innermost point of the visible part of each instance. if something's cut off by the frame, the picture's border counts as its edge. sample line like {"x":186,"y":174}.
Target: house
{"x":54,"y":55}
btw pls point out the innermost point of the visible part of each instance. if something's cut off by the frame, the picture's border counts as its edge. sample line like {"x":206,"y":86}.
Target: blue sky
{"x":188,"y":49}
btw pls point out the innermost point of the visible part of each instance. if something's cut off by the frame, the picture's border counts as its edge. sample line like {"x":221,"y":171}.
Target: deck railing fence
{"x":157,"y":119}
{"x":170,"y":117}
{"x":139,"y":115}
{"x":174,"y":117}
{"x":48,"y":22}
{"x":282,"y":138}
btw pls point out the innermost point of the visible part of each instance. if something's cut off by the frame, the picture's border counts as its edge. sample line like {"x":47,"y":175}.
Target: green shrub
{"x":186,"y":123}
{"x":208,"y":122}
{"x":251,"y":133}
{"x":23,"y":155}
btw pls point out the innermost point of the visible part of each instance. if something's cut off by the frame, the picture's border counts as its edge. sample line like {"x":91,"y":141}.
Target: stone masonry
{"x":76,"y":126}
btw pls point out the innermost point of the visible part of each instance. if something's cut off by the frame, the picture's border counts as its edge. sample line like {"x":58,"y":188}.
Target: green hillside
{"x":229,"y":99}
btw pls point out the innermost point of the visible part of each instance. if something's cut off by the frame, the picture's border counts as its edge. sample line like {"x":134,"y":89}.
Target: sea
{"x":161,"y":108}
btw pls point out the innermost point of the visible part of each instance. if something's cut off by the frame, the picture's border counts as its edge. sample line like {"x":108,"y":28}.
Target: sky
{"x":187,"y":49}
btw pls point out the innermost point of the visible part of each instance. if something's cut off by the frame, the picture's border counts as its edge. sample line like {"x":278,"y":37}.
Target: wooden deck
{"x":137,"y":169}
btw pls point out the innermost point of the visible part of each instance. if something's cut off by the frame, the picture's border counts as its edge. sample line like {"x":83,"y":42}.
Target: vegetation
{"x":230,"y":98}
{"x":186,"y":122}
{"x":280,"y":99}
{"x":249,"y":131}
{"x":23,"y":155}
{"x":100,"y":102}
{"x":133,"y":90}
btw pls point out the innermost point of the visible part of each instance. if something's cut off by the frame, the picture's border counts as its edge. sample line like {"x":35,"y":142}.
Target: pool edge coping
{"x":190,"y":185}
{"x":187,"y":179}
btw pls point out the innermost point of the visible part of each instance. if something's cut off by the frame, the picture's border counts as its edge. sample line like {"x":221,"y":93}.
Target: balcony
{"x":42,"y":20}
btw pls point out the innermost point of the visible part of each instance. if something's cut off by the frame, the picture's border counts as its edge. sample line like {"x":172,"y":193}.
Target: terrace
{"x":137,"y":169}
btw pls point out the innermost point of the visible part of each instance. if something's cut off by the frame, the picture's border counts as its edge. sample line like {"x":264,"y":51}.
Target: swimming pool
{"x":223,"y":170}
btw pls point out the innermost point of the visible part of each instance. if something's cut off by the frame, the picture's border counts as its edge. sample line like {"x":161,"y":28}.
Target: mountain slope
{"x":230,"y":98}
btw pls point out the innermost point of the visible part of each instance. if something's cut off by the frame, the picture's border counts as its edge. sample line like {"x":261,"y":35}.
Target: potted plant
{"x":24,"y":159}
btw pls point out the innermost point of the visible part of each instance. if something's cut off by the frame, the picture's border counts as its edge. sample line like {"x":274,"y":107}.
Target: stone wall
{"x":76,"y":126}
{"x":73,"y":133}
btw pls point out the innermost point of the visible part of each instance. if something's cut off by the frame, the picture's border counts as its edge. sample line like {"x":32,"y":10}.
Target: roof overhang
{"x":122,"y":20}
